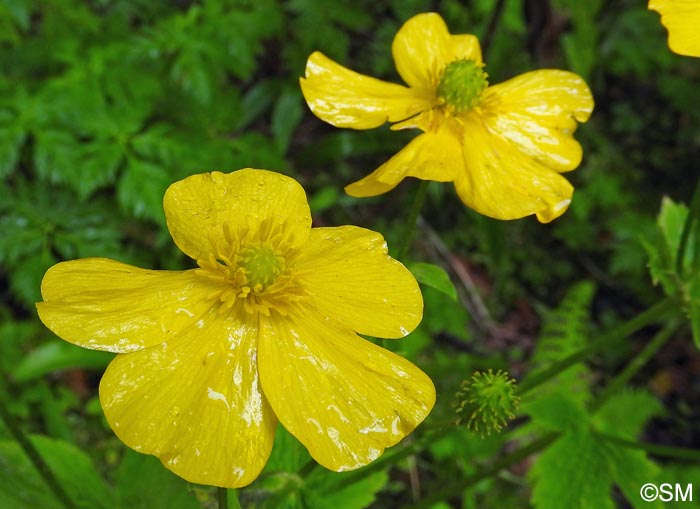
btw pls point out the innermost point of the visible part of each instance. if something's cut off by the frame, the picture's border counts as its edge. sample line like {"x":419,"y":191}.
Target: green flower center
{"x":262,"y":266}
{"x":461,"y":85}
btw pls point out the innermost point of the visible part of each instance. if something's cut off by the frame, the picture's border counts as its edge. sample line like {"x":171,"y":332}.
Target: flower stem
{"x":635,"y":365}
{"x":665,"y":451}
{"x":693,"y":217}
{"x":604,"y":340}
{"x":457,"y":487}
{"x":222,"y":495}
{"x":487,"y":39}
{"x":39,"y":464}
{"x":410,"y":225}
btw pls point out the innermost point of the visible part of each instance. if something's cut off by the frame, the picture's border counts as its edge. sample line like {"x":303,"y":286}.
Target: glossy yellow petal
{"x":422,"y":48}
{"x":198,"y":207}
{"x":343,"y":397}
{"x":353,"y":280}
{"x":466,"y":47}
{"x":682,"y":20}
{"x":345,"y":98}
{"x":538,"y":112}
{"x":429,"y":156}
{"x":106,"y":305}
{"x":195,"y":402}
{"x":502,"y":182}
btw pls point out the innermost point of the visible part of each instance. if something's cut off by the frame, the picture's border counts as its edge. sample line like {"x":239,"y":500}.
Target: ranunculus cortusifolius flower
{"x":682,"y":19}
{"x":265,"y":330}
{"x":504,"y":146}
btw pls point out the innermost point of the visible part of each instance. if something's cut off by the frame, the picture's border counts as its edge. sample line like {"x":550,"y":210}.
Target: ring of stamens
{"x":253,"y":270}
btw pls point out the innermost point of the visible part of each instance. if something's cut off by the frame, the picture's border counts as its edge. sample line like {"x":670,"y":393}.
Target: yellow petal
{"x":195,"y":402}
{"x":537,"y":112}
{"x":345,"y":98}
{"x":197,"y":207}
{"x":423,"y":47}
{"x":682,"y":20}
{"x":353,"y":280}
{"x":343,"y":397}
{"x":502,"y":182}
{"x":429,"y":156}
{"x":106,"y":305}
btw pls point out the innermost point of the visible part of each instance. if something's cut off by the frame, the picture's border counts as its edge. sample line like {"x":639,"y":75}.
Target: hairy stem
{"x":410,"y":225}
{"x":619,"y":333}
{"x":665,"y":451}
{"x":635,"y":364}
{"x":456,"y":488}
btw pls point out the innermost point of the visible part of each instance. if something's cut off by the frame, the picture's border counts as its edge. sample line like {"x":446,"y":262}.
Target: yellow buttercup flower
{"x":264,"y":330}
{"x":682,"y":20}
{"x":504,"y":146}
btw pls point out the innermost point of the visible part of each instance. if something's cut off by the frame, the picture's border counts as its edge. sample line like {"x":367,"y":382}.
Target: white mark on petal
{"x":186,"y":311}
{"x":217,"y":396}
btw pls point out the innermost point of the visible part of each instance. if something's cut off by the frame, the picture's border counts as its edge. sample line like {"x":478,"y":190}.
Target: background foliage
{"x":104,"y":103}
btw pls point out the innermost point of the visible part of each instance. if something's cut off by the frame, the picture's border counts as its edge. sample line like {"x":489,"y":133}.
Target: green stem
{"x":410,"y":225}
{"x":693,"y":216}
{"x":635,"y":365}
{"x":222,"y":496}
{"x":487,"y":39}
{"x":455,"y":488}
{"x":665,"y":451}
{"x":605,"y":340}
{"x":39,"y":464}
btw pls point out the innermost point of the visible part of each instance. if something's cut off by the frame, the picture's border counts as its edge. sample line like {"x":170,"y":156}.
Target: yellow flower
{"x":264,"y":330}
{"x":682,"y":20}
{"x":503,"y":146}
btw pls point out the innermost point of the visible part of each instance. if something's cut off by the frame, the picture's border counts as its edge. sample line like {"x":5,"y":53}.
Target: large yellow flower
{"x":682,"y":20}
{"x":503,"y":146}
{"x":264,"y":330}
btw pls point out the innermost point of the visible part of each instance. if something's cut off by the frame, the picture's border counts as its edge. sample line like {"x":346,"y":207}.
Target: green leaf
{"x":566,"y":330}
{"x":573,"y":473}
{"x":288,"y":454}
{"x":626,"y":413}
{"x":630,"y":470}
{"x":57,"y":355}
{"x":435,"y":277}
{"x":556,"y":410}
{"x":327,"y":490}
{"x":61,"y":158}
{"x":285,"y":118}
{"x":21,"y":487}
{"x":144,"y":483}
{"x":27,"y":276}
{"x":140,"y":190}
{"x":11,"y":140}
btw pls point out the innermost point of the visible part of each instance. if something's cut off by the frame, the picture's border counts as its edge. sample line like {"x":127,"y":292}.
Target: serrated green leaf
{"x":11,"y":140}
{"x":434,"y":276}
{"x":60,"y":158}
{"x":140,"y":190}
{"x":57,"y":355}
{"x":630,"y":470}
{"x":21,"y":487}
{"x":573,"y":473}
{"x":326,"y":490}
{"x":556,"y":410}
{"x":626,"y":413}
{"x":144,"y":483}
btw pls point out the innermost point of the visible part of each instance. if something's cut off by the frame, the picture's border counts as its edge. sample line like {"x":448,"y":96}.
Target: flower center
{"x":262,"y":266}
{"x":461,"y":85}
{"x":253,"y":269}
